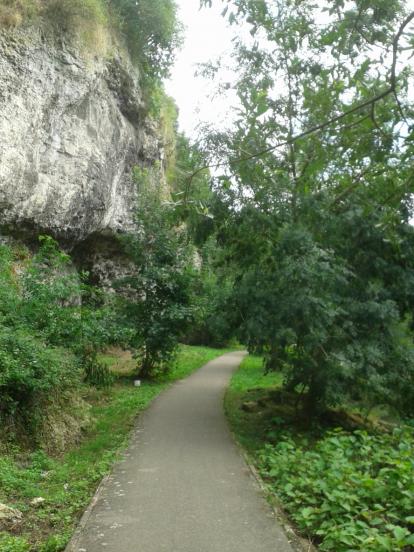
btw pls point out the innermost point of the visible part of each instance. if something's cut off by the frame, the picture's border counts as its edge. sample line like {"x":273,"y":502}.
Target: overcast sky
{"x":207,"y":36}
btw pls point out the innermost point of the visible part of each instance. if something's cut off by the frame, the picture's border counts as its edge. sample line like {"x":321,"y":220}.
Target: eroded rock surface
{"x":71,"y":129}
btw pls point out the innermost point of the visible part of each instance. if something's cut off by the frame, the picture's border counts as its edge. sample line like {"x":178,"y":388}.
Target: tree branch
{"x":391,"y":89}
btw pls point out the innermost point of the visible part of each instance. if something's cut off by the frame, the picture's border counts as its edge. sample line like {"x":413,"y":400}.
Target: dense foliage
{"x":29,"y":371}
{"x":50,"y":328}
{"x":313,"y":202}
{"x":161,"y":308}
{"x":192,"y":201}
{"x":348,"y":491}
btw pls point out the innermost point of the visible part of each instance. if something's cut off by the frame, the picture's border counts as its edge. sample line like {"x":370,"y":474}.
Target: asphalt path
{"x":183,"y":485}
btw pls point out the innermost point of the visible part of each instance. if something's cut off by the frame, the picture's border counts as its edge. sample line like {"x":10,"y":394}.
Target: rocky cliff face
{"x":71,"y":129}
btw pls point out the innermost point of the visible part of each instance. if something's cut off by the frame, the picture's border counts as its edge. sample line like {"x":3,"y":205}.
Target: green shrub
{"x":51,"y":294}
{"x":30,"y":319}
{"x":46,"y":334}
{"x":30,"y":371}
{"x":55,"y":543}
{"x":53,"y":299}
{"x":103,"y":323}
{"x":349,"y":491}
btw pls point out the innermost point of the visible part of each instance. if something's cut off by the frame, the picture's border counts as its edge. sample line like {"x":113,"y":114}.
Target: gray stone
{"x":71,"y":129}
{"x":38,"y":501}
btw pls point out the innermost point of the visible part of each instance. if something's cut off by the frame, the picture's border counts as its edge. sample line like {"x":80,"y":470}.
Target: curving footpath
{"x":182,"y":485}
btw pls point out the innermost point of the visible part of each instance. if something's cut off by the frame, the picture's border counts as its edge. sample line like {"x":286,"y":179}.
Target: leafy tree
{"x":152,"y":32}
{"x":191,"y":197}
{"x":159,"y":308}
{"x":193,"y":202}
{"x":315,"y":196}
{"x":213,"y":318}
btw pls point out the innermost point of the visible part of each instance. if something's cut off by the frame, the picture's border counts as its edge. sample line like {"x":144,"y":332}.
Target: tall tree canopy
{"x":315,"y":195}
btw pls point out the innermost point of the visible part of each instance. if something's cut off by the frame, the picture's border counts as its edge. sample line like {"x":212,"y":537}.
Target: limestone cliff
{"x":71,"y":129}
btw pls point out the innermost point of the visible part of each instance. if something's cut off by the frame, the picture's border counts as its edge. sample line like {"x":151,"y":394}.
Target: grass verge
{"x":248,"y":419}
{"x":67,"y":484}
{"x":346,"y":491}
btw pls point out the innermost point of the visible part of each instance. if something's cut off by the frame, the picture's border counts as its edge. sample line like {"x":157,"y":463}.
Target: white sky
{"x":207,"y":36}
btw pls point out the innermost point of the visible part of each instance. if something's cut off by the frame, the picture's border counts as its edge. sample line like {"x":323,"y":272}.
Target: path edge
{"x":297,"y":542}
{"x":70,"y":547}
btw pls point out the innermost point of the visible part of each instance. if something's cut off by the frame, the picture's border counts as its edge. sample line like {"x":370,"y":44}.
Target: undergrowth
{"x":49,"y":322}
{"x":347,"y":491}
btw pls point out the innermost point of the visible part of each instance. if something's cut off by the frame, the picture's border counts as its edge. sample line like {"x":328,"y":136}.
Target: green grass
{"x":68,"y":483}
{"x":251,"y":375}
{"x":250,"y":383}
